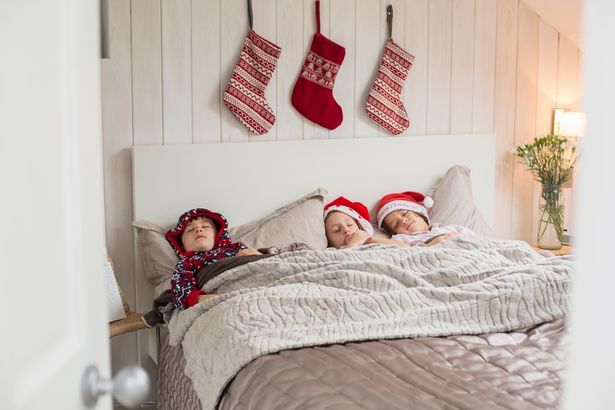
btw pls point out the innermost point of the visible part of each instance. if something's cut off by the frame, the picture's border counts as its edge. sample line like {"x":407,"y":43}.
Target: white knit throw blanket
{"x":466,"y":285}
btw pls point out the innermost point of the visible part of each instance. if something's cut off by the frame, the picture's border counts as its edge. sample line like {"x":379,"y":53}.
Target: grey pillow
{"x":454,"y":203}
{"x":298,"y":221}
{"x":157,"y":255}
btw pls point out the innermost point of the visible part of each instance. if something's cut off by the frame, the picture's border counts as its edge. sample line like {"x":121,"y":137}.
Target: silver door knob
{"x":130,"y":386}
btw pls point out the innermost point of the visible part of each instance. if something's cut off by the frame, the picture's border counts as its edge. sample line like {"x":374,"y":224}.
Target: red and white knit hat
{"x":355,"y":210}
{"x":411,"y":201}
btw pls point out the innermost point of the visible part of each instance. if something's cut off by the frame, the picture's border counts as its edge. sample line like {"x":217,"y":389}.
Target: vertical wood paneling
{"x":311,"y":130}
{"x":265,"y":24}
{"x":462,"y":73}
{"x":117,"y":142}
{"x":546,"y":99}
{"x":206,"y":95}
{"x":290,"y":23}
{"x":146,"y":72}
{"x":439,"y":79}
{"x":568,"y":91}
{"x":484,"y":66}
{"x":176,"y":71}
{"x":342,"y":31}
{"x":505,"y":100}
{"x":233,"y":29}
{"x":417,"y":43}
{"x":369,"y":20}
{"x":525,"y":121}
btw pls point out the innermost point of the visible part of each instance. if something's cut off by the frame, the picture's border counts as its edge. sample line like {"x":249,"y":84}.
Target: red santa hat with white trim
{"x":409,"y":200}
{"x":355,"y":210}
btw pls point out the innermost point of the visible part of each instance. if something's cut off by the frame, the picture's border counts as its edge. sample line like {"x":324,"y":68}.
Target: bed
{"x":451,"y":357}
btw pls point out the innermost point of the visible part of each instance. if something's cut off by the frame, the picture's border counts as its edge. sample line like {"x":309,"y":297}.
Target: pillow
{"x":454,"y":203}
{"x":158,"y":257}
{"x":298,"y":221}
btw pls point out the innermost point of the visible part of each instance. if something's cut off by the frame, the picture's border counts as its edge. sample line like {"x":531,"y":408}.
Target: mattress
{"x":512,"y":370}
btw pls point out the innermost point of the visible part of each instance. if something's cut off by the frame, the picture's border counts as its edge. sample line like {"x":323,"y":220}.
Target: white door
{"x":51,"y":204}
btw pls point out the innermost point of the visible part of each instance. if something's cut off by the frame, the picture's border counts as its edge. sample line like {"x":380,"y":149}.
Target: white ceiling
{"x":564,"y":15}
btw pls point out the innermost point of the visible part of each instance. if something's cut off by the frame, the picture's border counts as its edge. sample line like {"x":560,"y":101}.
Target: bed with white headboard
{"x":246,"y":181}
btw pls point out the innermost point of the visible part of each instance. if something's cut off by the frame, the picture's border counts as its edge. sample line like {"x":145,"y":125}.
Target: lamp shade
{"x":572,"y":124}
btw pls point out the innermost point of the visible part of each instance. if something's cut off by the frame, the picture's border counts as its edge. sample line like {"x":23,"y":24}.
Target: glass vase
{"x":551,"y":218}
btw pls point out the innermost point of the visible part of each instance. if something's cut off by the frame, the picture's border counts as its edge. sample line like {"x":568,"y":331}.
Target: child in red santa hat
{"x":347,"y":225}
{"x":404,"y":216}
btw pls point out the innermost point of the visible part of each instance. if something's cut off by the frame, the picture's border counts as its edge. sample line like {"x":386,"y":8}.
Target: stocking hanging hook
{"x":390,"y":20}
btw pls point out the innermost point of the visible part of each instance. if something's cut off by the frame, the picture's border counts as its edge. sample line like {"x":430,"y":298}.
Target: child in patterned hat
{"x":199,"y":239}
{"x":404,"y":216}
{"x":347,"y":225}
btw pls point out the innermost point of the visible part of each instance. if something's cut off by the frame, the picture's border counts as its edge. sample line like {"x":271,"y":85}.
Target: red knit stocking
{"x":245,"y":93}
{"x":384,"y":102}
{"x":313,"y":92}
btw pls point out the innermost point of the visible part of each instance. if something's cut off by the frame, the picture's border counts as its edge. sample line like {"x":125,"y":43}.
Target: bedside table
{"x":564,"y":250}
{"x":131,"y":323}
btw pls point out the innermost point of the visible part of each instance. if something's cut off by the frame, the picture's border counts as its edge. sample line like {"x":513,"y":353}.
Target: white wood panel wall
{"x":481,"y":66}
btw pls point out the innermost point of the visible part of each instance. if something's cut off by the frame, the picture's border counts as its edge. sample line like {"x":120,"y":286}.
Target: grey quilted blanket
{"x":466,"y":285}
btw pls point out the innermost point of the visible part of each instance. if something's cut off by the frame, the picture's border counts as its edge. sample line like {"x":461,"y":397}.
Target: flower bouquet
{"x":551,"y":164}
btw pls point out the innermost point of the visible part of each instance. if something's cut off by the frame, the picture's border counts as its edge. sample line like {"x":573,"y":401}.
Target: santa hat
{"x":355,"y":210}
{"x":411,"y":201}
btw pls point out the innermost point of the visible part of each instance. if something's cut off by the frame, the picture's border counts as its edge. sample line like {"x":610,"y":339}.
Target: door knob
{"x":130,"y":386}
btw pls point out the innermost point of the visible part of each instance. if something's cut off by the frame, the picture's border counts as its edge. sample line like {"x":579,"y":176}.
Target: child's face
{"x":199,"y":235}
{"x":339,"y":227}
{"x":403,"y":221}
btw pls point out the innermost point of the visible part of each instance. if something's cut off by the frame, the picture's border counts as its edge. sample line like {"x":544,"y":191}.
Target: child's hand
{"x":440,"y":238}
{"x":357,"y":239}
{"x":248,"y":251}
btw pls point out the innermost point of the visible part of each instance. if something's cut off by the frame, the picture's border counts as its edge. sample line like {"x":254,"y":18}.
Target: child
{"x":199,"y":239}
{"x":404,"y":216}
{"x":347,"y":225}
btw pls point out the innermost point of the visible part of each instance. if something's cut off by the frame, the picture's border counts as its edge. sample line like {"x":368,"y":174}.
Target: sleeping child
{"x":347,"y":225}
{"x":404,"y":216}
{"x":199,"y":239}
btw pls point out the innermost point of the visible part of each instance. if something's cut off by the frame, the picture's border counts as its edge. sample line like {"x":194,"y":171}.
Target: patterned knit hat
{"x":411,"y":201}
{"x":355,"y":210}
{"x":174,"y":236}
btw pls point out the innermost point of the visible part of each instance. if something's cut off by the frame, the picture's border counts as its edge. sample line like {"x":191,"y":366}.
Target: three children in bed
{"x":201,"y":238}
{"x":402,"y":215}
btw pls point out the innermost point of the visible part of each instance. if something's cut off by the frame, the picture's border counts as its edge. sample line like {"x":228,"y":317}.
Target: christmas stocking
{"x":384,"y":102}
{"x":313,"y":92}
{"x":245,"y":92}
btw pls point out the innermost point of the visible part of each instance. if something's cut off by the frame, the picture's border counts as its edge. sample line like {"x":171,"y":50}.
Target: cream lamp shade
{"x":569,"y":123}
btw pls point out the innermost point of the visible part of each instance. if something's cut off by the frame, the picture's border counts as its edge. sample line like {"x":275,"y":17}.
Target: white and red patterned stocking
{"x":384,"y":102}
{"x":245,"y":92}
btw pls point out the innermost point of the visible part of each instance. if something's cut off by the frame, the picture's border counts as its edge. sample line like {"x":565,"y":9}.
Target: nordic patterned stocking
{"x":245,"y":92}
{"x":384,"y":102}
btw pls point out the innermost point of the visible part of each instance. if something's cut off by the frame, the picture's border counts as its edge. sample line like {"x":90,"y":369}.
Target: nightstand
{"x":564,"y":250}
{"x":131,"y":323}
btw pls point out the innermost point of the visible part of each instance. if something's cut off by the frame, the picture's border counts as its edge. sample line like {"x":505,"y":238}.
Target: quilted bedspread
{"x":465,"y":286}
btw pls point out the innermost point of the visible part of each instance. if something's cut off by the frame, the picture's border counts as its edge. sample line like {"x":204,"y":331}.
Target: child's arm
{"x":248,"y":251}
{"x":387,"y":241}
{"x":183,"y":285}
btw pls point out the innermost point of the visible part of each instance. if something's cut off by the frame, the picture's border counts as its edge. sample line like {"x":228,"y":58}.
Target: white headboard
{"x":245,"y":181}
